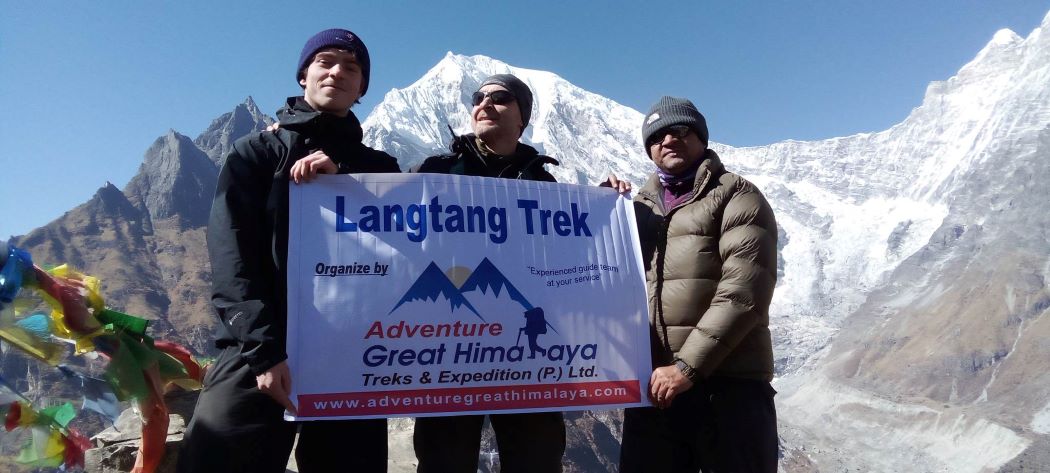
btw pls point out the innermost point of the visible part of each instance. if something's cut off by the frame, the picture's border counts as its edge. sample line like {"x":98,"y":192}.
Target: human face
{"x":494,"y":122}
{"x":332,"y":81}
{"x":674,"y":150}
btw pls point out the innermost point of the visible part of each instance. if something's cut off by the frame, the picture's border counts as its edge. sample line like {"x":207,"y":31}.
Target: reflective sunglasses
{"x":499,"y":97}
{"x":676,"y":131}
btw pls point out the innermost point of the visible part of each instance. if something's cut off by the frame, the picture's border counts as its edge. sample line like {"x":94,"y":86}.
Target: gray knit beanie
{"x":341,"y":39}
{"x":673,"y":111}
{"x":516,"y":87}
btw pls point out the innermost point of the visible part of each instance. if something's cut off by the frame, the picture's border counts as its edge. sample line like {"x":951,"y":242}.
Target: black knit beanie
{"x":673,"y":111}
{"x":340,"y":39}
{"x":516,"y":87}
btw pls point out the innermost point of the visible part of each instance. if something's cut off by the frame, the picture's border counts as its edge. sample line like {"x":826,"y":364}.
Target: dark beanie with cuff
{"x":339,"y":39}
{"x":673,"y":111}
{"x":516,"y":87}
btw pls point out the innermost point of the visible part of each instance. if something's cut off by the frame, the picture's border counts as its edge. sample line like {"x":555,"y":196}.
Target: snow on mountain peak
{"x":1005,"y":36}
{"x":1003,"y":40}
{"x":591,"y":135}
{"x":851,"y":209}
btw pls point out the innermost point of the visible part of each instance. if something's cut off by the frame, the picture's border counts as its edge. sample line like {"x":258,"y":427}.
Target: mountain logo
{"x":433,"y":283}
{"x":486,"y":279}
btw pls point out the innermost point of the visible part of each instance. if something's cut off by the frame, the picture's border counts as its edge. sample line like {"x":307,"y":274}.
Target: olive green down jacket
{"x":710,"y":269}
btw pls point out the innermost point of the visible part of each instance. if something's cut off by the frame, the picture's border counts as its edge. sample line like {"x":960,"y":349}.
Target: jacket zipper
{"x":661,"y":247}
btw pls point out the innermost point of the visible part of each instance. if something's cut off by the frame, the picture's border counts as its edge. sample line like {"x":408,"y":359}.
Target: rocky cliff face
{"x":107,"y":236}
{"x":217,"y":140}
{"x":146,"y":242}
{"x":176,"y":180}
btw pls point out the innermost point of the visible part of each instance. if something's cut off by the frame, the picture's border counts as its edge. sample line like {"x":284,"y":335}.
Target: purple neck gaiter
{"x":678,"y":188}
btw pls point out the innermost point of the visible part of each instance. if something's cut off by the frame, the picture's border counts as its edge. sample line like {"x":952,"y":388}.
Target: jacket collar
{"x":299,"y":116}
{"x":653,"y":190}
{"x":524,"y":156}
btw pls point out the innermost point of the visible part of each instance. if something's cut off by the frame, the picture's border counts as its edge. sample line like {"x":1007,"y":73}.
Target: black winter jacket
{"x":248,"y":228}
{"x":466,"y":159}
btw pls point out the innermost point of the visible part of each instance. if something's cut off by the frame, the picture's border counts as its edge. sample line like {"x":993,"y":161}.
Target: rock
{"x":129,"y":428}
{"x":118,"y":445}
{"x":120,"y":457}
{"x":401,"y":455}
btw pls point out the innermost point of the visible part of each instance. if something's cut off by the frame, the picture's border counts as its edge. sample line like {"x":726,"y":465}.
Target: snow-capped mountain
{"x":854,"y":208}
{"x":876,"y":230}
{"x":851,"y":209}
{"x":940,"y":355}
{"x":590,"y":134}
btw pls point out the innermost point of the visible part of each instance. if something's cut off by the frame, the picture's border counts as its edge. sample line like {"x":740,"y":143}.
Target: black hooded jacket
{"x":248,"y":228}
{"x":466,"y":159}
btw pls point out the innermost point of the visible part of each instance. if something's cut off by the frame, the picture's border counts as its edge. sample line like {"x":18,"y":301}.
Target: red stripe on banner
{"x":485,"y":398}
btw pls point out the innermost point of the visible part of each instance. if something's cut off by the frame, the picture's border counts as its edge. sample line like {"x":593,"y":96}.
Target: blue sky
{"x":88,"y":86}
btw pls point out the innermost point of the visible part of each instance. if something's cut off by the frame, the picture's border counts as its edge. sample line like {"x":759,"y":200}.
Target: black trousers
{"x":528,"y":443}
{"x":721,"y":425}
{"x":237,"y":428}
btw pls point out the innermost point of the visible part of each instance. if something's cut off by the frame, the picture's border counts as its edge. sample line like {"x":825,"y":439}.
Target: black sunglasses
{"x":677,"y":131}
{"x":499,"y":97}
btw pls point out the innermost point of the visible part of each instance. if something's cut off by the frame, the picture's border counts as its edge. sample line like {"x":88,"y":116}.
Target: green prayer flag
{"x":122,"y":321}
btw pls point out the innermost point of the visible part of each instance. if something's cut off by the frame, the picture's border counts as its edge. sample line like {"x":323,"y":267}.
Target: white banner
{"x":427,"y":294}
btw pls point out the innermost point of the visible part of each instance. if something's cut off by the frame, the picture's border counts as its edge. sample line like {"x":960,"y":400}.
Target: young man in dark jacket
{"x":709,"y":242}
{"x":238,"y":422}
{"x":532,"y":442}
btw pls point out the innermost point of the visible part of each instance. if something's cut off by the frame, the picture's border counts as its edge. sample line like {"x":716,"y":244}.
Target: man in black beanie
{"x":532,"y":442}
{"x":709,"y":242}
{"x":238,"y":423}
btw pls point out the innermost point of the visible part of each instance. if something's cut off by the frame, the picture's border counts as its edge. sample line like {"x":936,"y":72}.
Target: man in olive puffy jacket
{"x":709,"y":241}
